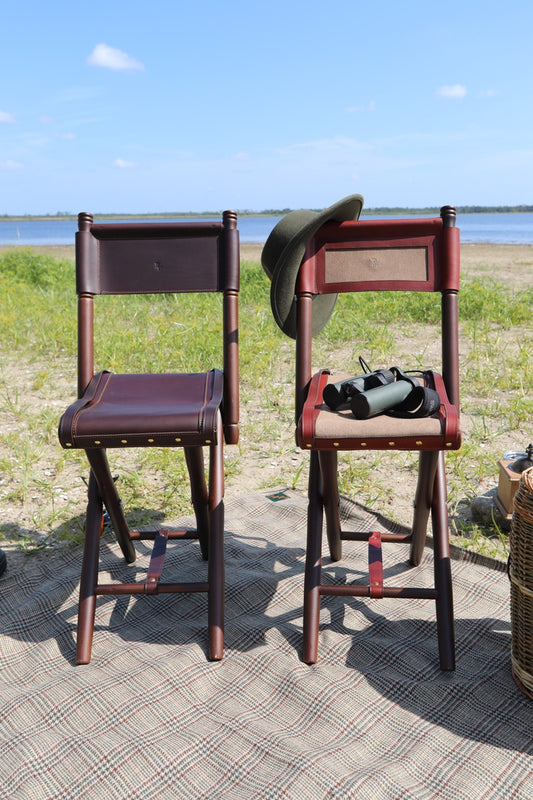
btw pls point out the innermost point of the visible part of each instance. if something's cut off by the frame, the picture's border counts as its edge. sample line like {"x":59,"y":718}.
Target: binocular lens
{"x":335,"y":394}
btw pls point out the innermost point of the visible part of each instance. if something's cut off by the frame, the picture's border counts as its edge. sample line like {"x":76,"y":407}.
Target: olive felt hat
{"x":283,"y":253}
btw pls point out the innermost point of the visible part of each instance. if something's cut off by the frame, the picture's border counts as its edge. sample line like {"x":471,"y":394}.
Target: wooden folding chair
{"x":417,"y":255}
{"x":188,"y":410}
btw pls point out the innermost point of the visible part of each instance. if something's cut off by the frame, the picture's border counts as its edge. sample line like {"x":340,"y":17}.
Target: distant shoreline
{"x":380,"y":211}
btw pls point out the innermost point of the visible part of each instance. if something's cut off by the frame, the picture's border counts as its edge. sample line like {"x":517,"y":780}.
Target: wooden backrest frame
{"x":382,"y":255}
{"x":154,"y":257}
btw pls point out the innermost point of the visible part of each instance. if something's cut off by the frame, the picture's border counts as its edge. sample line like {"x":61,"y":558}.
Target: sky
{"x":124,"y":107}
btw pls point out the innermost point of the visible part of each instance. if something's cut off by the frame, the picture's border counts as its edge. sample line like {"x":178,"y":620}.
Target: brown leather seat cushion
{"x":165,"y":410}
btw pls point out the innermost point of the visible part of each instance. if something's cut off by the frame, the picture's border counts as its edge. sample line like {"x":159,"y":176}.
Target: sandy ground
{"x":278,"y":463}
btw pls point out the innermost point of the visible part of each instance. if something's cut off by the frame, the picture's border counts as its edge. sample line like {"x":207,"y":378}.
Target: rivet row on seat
{"x":125,"y":441}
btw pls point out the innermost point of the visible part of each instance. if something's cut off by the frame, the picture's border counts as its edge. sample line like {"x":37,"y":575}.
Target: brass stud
{"x":309,"y":446}
{"x":448,"y":444}
{"x":150,"y":440}
{"x":335,"y":444}
{"x":124,"y":441}
{"x":364,"y":444}
{"x":68,"y":444}
{"x":97,"y":441}
{"x":208,"y":441}
{"x":177,"y":439}
{"x":392,"y":444}
{"x":419,"y":443}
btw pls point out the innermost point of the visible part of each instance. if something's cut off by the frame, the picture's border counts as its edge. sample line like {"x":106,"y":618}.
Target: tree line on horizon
{"x":280,"y":212}
{"x":426,"y":210}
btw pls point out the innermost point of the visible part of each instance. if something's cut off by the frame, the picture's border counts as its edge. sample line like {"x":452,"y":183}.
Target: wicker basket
{"x":521,"y":577}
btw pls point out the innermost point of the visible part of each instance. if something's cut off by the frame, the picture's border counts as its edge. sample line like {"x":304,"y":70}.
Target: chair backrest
{"x":382,"y":255}
{"x":160,"y":257}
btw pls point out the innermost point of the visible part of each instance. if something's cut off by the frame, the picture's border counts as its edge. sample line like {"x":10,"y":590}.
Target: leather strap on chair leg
{"x":375,"y":565}
{"x":157,"y":559}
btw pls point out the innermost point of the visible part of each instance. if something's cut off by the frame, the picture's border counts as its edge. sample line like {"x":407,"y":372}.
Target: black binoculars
{"x":372,"y":393}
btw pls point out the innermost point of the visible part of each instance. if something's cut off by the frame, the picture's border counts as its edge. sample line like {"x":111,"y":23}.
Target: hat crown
{"x":284,"y":251}
{"x":285,"y":231}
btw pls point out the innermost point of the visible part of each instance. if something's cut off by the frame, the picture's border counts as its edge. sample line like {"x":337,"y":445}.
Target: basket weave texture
{"x":521,"y":577}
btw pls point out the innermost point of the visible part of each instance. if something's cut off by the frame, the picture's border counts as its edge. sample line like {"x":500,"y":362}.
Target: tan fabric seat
{"x":322,"y":428}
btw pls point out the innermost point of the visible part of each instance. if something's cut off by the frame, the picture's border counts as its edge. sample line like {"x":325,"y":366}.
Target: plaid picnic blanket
{"x":151,"y":717}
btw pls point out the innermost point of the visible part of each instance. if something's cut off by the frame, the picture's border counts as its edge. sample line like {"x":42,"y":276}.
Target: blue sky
{"x":171,"y":106}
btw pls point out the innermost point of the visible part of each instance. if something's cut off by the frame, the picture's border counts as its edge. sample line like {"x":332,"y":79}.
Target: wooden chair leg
{"x":194,"y":458}
{"x":328,"y":468}
{"x":89,"y":573}
{"x":215,"y":566}
{"x":443,"y":573}
{"x":427,"y":466}
{"x":313,"y":562}
{"x":109,"y":494}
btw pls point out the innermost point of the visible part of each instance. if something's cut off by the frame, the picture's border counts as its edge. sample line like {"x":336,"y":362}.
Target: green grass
{"x":38,"y":325}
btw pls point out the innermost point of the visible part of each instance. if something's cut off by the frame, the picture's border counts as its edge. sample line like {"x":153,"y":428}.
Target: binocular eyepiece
{"x":337,"y":394}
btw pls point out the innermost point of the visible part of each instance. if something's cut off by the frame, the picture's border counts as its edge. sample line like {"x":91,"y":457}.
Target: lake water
{"x":493,"y":228}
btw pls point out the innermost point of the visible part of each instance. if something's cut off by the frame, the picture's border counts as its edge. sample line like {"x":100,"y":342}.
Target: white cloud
{"x":122,"y":164}
{"x":9,"y":165}
{"x":371,"y":106}
{"x":320,"y":149}
{"x":111,"y":58}
{"x":76,"y":94}
{"x":5,"y":116}
{"x":454,"y":92}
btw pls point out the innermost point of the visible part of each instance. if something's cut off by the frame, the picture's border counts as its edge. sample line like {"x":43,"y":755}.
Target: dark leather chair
{"x":368,"y":256}
{"x":194,"y":411}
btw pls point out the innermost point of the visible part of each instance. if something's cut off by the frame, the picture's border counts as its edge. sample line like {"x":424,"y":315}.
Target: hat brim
{"x":304,"y":225}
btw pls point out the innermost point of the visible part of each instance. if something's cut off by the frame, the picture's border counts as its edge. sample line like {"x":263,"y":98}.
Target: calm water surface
{"x":493,"y":228}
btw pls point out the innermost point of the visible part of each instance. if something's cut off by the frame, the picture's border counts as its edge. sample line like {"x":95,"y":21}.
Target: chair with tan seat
{"x":193,"y":411}
{"x":415,"y":255}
